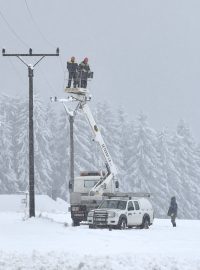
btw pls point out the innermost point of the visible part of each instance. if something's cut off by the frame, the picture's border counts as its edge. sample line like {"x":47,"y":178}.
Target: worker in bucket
{"x":72,"y":67}
{"x":83,"y":73}
{"x":172,"y":212}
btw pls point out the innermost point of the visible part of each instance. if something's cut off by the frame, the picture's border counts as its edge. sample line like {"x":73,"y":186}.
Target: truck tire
{"x":122,"y":223}
{"x":75,"y":223}
{"x":145,"y":222}
{"x":91,"y":226}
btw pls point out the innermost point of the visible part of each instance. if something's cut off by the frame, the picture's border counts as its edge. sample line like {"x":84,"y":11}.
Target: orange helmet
{"x":85,"y":60}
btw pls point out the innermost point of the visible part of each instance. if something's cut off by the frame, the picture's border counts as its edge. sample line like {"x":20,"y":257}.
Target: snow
{"x":46,"y":242}
{"x":14,"y":203}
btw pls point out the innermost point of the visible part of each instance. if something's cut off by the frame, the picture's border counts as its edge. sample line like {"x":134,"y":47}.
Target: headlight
{"x":90,"y":214}
{"x":111,"y":214}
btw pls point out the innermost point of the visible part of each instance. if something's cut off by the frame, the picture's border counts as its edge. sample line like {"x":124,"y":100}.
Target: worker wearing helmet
{"x":72,"y":67}
{"x":84,"y":71}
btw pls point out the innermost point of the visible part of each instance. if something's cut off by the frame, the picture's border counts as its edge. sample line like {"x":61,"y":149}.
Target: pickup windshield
{"x":113,"y":204}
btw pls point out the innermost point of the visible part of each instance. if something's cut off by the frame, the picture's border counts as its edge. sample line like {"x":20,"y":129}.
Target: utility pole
{"x":71,"y":116}
{"x":71,"y":125}
{"x":31,"y":129}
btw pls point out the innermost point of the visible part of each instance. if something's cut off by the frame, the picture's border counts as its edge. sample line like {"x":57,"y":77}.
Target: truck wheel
{"x":145,"y":223}
{"x":76,"y":223}
{"x":122,"y":224}
{"x":91,"y":226}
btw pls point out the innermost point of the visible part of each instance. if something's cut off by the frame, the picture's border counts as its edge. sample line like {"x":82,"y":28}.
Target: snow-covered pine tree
{"x":22,"y":160}
{"x":144,"y":168}
{"x":53,"y":126}
{"x":43,"y":156}
{"x":62,"y":156}
{"x":187,"y":164}
{"x":42,"y":153}
{"x":124,"y":140}
{"x":170,"y":173}
{"x":8,"y":182}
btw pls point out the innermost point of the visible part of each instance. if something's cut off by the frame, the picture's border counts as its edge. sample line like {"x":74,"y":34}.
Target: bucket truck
{"x":90,"y":188}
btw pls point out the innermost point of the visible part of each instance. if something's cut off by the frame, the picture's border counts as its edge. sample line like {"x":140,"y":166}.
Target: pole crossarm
{"x":20,"y":55}
{"x":30,"y":53}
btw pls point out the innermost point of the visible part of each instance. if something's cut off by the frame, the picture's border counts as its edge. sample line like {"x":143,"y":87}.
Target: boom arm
{"x":110,"y":179}
{"x":99,"y":139}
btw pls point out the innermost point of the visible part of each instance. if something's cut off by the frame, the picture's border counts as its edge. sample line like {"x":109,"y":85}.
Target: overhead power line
{"x":37,"y":27}
{"x":45,"y":39}
{"x":13,"y":31}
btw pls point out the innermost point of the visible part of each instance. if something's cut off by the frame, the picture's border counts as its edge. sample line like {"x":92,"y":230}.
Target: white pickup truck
{"x":122,"y":213}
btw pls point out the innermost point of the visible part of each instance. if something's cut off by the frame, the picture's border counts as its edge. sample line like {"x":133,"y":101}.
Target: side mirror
{"x":116,"y":184}
{"x":70,"y":186}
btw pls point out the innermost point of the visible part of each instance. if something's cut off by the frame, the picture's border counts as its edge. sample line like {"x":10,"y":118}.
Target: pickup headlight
{"x":90,"y":214}
{"x":111,"y":214}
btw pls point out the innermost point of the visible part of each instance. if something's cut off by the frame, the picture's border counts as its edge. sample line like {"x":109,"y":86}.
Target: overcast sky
{"x":145,"y":54}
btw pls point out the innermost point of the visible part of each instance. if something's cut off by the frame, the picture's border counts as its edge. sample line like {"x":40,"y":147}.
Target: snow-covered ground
{"x":46,"y":243}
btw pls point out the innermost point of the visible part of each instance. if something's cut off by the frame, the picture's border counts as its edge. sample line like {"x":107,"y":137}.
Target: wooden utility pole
{"x":31,"y":128}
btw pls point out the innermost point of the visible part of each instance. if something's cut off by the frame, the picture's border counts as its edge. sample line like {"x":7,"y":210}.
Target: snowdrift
{"x":43,"y":203}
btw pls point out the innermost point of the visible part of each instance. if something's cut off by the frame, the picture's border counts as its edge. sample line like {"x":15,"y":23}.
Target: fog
{"x":144,"y":54}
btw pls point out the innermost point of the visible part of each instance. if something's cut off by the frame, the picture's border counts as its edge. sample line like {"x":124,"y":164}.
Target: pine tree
{"x":124,"y":137}
{"x":43,"y":156}
{"x":62,"y":156}
{"x":144,"y":168}
{"x":53,"y":127}
{"x":184,"y":150}
{"x":42,"y":153}
{"x":22,"y":156}
{"x":7,"y":174}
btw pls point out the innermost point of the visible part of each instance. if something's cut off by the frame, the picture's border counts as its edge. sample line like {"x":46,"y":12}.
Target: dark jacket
{"x":72,"y":66}
{"x":84,"y":69}
{"x":173,"y":207}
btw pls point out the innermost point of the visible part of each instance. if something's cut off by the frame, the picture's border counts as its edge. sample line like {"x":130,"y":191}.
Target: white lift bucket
{"x":77,"y":91}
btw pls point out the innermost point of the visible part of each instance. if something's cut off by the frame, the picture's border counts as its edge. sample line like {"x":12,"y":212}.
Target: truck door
{"x":138,"y":212}
{"x":134,"y":214}
{"x":130,"y":216}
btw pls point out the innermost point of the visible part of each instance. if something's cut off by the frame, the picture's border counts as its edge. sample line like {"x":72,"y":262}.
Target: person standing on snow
{"x":72,"y":67}
{"x":84,"y":70}
{"x":172,"y":212}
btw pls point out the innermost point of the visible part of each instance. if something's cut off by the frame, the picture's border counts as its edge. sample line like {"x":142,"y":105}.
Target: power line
{"x":52,"y":88}
{"x":13,"y":31}
{"x":16,"y":70}
{"x":36,"y":25}
{"x":44,"y":38}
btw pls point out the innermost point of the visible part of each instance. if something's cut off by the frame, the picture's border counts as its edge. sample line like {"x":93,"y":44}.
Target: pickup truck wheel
{"x":76,"y":223}
{"x":145,"y":223}
{"x":122,"y":224}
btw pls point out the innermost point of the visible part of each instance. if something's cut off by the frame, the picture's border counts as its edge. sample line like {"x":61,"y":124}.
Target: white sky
{"x":145,"y":54}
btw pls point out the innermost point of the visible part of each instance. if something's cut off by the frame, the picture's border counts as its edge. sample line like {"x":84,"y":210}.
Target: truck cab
{"x":86,"y":181}
{"x":82,"y":199}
